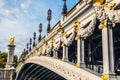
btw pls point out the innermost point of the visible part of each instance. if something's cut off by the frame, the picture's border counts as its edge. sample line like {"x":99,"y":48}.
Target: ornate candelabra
{"x":30,"y":44}
{"x":49,"y":19}
{"x":27,"y":47}
{"x":64,"y":10}
{"x":34,"y":37}
{"x":40,"y":30}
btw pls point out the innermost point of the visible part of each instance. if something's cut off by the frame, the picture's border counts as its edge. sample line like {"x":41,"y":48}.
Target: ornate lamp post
{"x":24,"y":53}
{"x":49,"y":19}
{"x":34,"y":37}
{"x":40,"y":30}
{"x":64,"y":10}
{"x":24,"y":50}
{"x":27,"y":48}
{"x":30,"y":44}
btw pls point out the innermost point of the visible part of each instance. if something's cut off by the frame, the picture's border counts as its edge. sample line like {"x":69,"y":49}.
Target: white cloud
{"x":10,"y":29}
{"x":25,"y":5}
{"x":2,"y":3}
{"x":13,"y":23}
{"x":21,"y":18}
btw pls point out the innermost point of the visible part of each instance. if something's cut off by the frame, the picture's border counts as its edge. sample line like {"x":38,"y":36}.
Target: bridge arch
{"x":45,"y":65}
{"x":32,"y":71}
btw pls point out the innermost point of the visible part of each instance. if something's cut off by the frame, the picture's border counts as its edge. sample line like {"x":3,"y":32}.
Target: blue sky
{"x":20,"y":18}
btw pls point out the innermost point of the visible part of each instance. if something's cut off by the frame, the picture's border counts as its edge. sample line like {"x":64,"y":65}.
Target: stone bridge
{"x":83,"y":45}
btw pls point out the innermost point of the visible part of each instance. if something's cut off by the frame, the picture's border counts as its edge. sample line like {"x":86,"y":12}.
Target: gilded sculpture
{"x":11,"y":40}
{"x":100,"y":2}
{"x":76,"y":24}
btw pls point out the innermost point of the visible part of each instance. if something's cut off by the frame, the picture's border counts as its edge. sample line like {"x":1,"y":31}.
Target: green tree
{"x":3,"y":59}
{"x":15,"y":60}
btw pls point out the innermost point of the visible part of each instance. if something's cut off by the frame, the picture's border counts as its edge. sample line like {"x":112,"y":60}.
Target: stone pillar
{"x":66,"y":55}
{"x":111,"y":50}
{"x":10,"y":56}
{"x":107,"y":46}
{"x":55,"y":54}
{"x":64,"y":52}
{"x":105,"y":50}
{"x":80,"y":53}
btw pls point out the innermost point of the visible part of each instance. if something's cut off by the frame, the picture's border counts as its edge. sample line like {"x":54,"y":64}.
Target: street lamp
{"x":30,"y":44}
{"x":64,"y":10}
{"x":27,"y":45}
{"x":34,"y":37}
{"x":40,"y":30}
{"x":49,"y":19}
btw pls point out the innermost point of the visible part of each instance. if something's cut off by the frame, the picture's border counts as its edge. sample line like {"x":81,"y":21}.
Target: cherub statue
{"x":11,"y":40}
